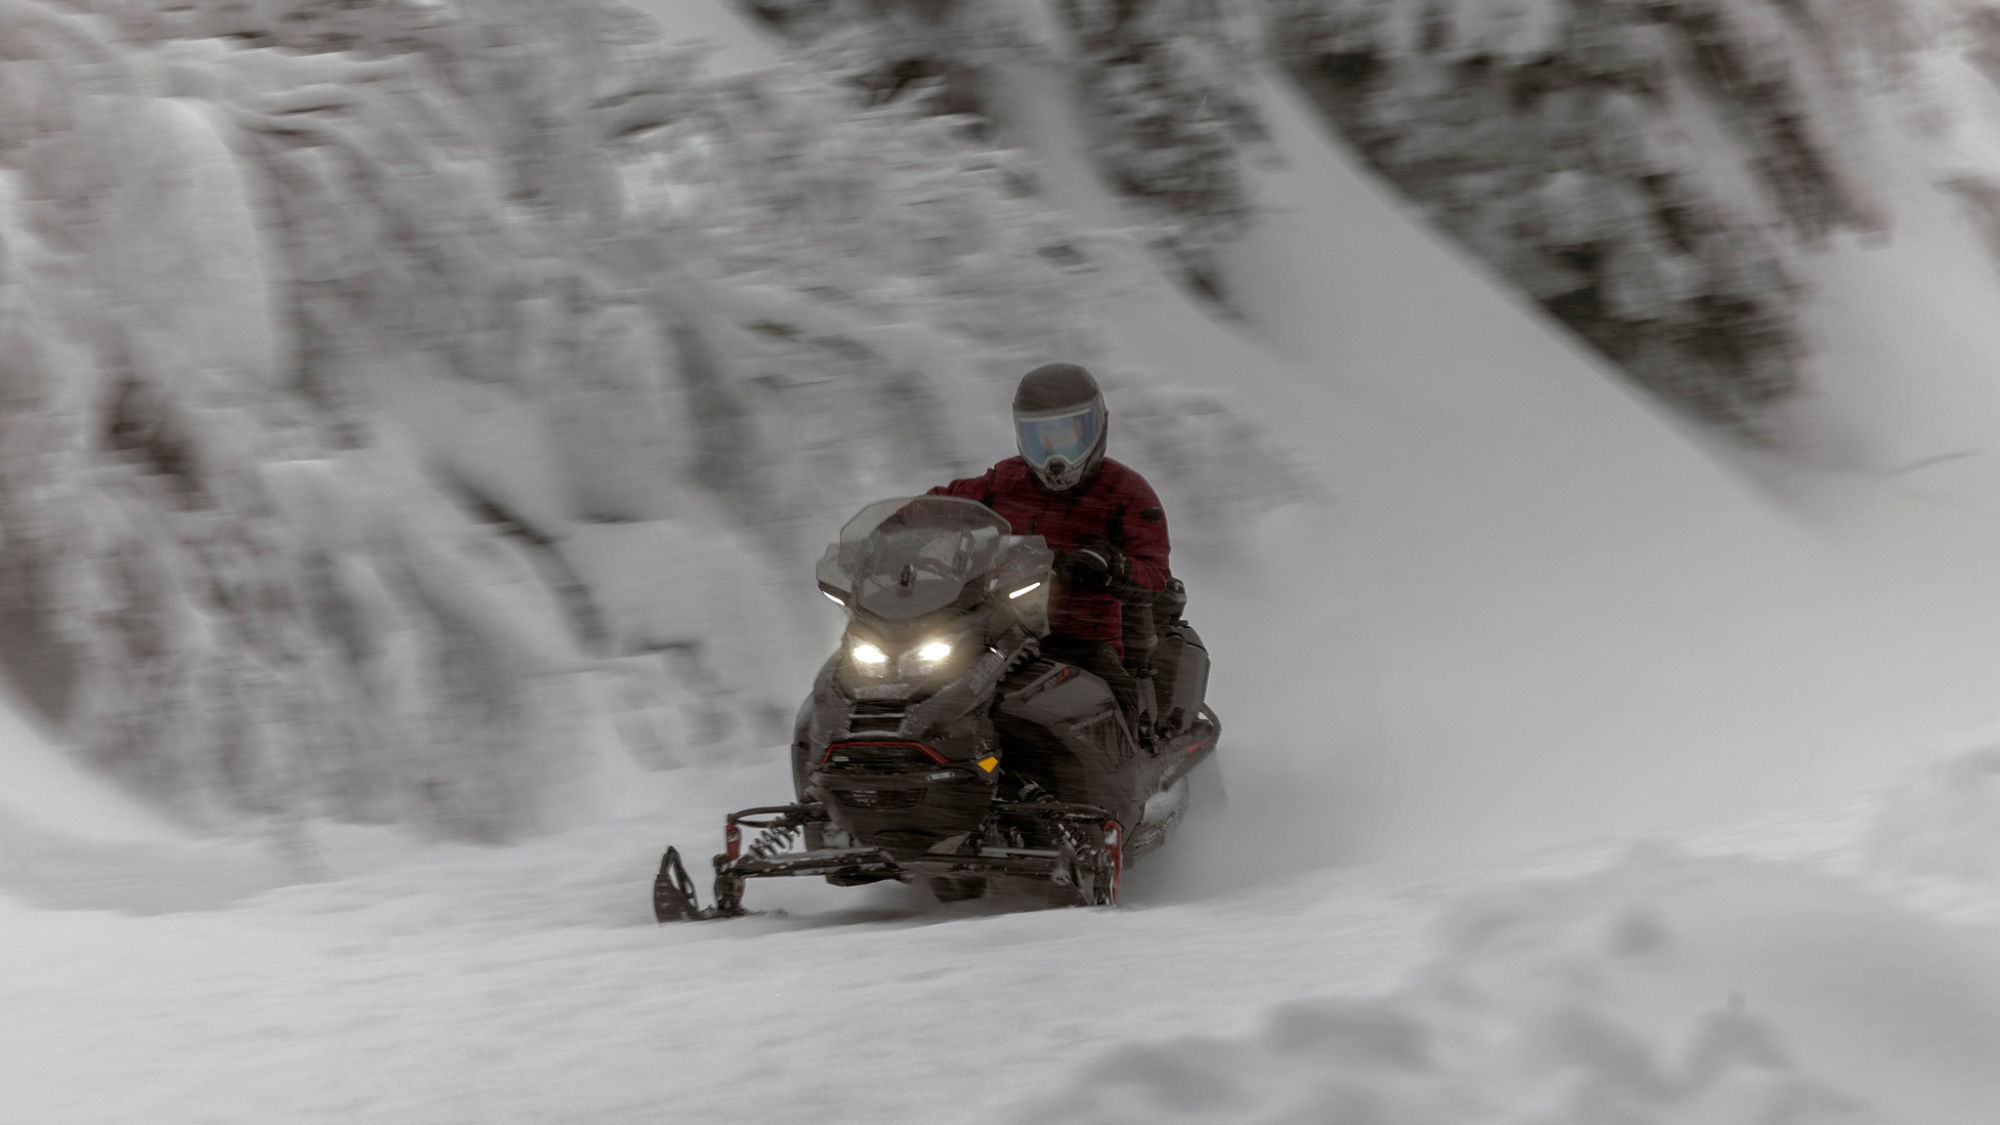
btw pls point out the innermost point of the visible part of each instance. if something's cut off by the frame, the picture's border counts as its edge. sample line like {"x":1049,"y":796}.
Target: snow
{"x":1939,"y":830}
{"x":474,"y":985}
{"x":72,"y":840}
{"x":1511,"y":618}
{"x":1662,"y":989}
{"x":1502,"y":515}
{"x":1903,"y":338}
{"x":731,"y":45}
{"x":47,"y":790}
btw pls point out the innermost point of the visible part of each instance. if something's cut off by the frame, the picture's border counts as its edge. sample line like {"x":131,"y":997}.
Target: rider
{"x":1101,"y":518}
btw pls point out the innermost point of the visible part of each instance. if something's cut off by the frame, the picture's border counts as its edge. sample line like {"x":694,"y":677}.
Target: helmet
{"x":1060,"y":424}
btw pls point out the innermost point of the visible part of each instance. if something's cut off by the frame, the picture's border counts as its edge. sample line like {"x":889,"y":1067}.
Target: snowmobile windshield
{"x":908,"y":557}
{"x":1069,"y":435}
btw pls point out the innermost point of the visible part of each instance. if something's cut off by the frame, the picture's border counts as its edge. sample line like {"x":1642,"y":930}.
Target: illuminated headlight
{"x":867,"y":657}
{"x":931,"y":657}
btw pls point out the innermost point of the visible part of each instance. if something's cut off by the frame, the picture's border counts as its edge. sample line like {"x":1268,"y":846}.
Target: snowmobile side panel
{"x":816,"y":723}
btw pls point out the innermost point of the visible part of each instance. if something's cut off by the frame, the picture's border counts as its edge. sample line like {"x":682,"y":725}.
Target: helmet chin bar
{"x":1059,"y":475}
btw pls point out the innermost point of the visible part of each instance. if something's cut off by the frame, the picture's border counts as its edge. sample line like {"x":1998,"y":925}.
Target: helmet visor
{"x":1069,"y":435}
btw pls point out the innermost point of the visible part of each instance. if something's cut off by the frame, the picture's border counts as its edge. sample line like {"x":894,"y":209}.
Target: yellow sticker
{"x":987,"y":764}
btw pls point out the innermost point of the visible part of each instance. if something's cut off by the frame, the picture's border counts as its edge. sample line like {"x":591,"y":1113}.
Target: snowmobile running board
{"x":674,"y":898}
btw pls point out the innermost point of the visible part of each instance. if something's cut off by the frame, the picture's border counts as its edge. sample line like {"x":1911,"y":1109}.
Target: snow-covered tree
{"x":1158,"y":83}
{"x":404,"y":403}
{"x":1547,"y":135}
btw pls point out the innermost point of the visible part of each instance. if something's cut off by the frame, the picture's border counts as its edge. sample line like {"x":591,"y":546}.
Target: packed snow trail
{"x":528,"y":984}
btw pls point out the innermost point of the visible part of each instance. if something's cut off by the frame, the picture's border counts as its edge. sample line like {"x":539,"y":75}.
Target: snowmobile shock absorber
{"x":1103,"y":861}
{"x":1033,"y":791}
{"x":1114,"y":846}
{"x":773,"y":840}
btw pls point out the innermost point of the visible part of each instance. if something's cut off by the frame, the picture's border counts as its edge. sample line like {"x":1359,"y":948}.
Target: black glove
{"x":1094,"y":566}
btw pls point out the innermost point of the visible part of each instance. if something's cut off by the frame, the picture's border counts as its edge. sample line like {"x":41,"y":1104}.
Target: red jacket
{"x":1114,"y":504}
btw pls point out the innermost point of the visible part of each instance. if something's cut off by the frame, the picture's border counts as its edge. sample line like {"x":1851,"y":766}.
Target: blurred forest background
{"x":403,"y":404}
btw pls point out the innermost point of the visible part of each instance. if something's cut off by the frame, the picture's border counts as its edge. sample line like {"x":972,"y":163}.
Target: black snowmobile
{"x":939,"y":744}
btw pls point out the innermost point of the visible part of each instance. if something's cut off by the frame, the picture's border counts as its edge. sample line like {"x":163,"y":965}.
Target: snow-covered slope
{"x":69,"y":840}
{"x":48,"y":791}
{"x":1904,"y":325}
{"x":1532,"y":601}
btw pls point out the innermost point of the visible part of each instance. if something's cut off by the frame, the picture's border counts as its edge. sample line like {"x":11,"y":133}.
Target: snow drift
{"x":1662,"y":990}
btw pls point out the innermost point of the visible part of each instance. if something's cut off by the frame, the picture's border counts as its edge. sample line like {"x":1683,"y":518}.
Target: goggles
{"x":1069,"y":436}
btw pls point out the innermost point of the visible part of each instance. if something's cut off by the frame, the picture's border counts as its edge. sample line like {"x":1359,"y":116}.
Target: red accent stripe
{"x":1198,"y":746}
{"x":934,"y":756}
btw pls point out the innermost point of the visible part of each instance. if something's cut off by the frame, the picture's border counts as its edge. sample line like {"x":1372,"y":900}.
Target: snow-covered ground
{"x":1577,"y":775}
{"x":527,"y":984}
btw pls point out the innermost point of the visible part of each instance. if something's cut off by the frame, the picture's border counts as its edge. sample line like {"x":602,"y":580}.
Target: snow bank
{"x":1938,"y":831}
{"x":1663,"y":990}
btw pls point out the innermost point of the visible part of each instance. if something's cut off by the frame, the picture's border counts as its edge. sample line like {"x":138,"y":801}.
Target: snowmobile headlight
{"x":931,"y":657}
{"x":867,"y":657}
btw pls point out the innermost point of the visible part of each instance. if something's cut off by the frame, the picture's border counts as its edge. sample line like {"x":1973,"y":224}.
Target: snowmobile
{"x":939,"y":744}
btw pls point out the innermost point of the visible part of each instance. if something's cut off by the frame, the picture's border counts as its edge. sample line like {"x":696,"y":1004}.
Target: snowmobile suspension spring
{"x":771,"y":841}
{"x":1032,"y":791}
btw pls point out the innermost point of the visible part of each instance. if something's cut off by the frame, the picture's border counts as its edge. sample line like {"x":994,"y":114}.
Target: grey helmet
{"x":1060,"y":424}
